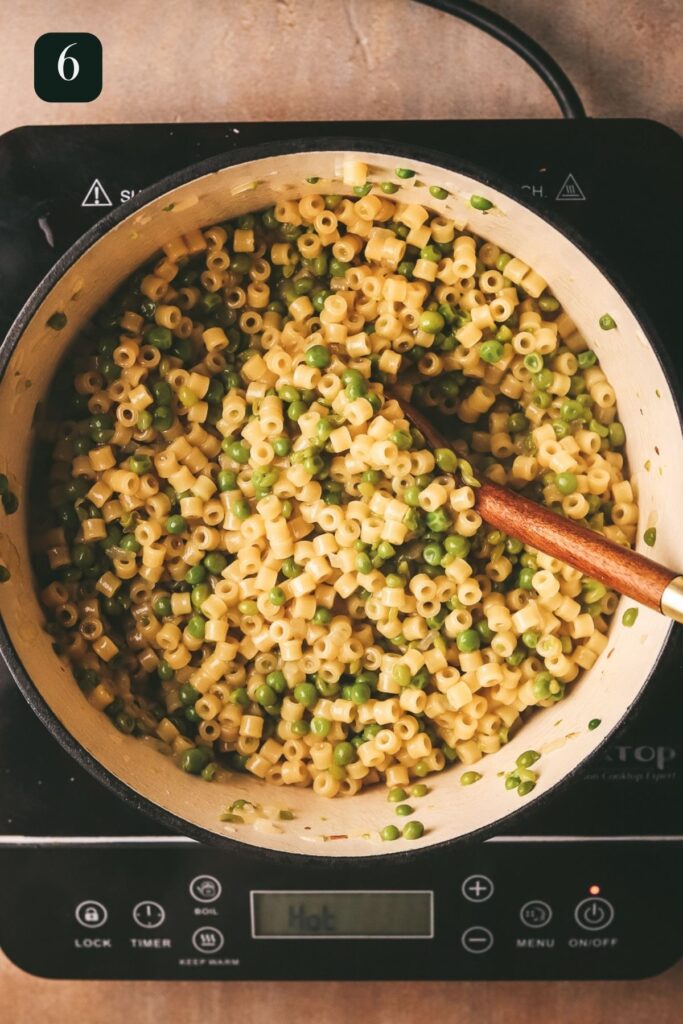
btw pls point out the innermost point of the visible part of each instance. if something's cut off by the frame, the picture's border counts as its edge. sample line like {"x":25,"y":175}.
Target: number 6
{"x":61,"y":64}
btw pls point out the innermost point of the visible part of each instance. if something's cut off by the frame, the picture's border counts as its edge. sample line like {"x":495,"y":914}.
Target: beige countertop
{"x":334,"y":59}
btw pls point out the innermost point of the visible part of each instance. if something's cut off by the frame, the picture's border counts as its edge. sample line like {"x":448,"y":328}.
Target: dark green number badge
{"x":67,"y":67}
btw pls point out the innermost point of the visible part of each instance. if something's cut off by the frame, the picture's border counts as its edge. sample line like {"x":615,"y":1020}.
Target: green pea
{"x":566,"y":483}
{"x":247,"y":607}
{"x":525,"y":788}
{"x":303,"y":285}
{"x":541,"y":686}
{"x":188,"y":695}
{"x":124,"y":722}
{"x":403,"y":810}
{"x":162,"y":607}
{"x":82,"y":556}
{"x":290,"y":570}
{"x":413,"y":830}
{"x":586,"y":359}
{"x":159,"y":337}
{"x":491,"y":351}
{"x":629,"y":617}
{"x":419,"y":790}
{"x":457,"y":545}
{"x":650,"y":536}
{"x":431,"y":322}
{"x":403,"y":172}
{"x":240,"y":508}
{"x":397,"y":794}
{"x":388,"y":187}
{"x":143,"y":423}
{"x":175,"y":524}
{"x":296,"y":410}
{"x":593,"y":590}
{"x":163,"y":418}
{"x":322,"y":616}
{"x":196,"y":627}
{"x":479,"y":203}
{"x":469,"y":778}
{"x":446,"y":459}
{"x":467,"y":641}
{"x":528,"y":758}
{"x":571,"y":410}
{"x":389,"y":833}
{"x":594,"y":723}
{"x":306,"y":694}
{"x":363,"y":563}
{"x":215,"y":562}
{"x":431,"y":253}
{"x":530,"y":639}
{"x":281,"y":446}
{"x":226,"y":480}
{"x":57,"y":321}
{"x":199,"y":595}
{"x":320,"y":727}
{"x":401,"y":438}
{"x":238,"y":452}
{"x":617,"y":435}
{"x":140,"y":464}
{"x":548,"y":303}
{"x":360,"y":693}
{"x":318,"y":356}
{"x":607,"y":323}
{"x":265,"y":695}
{"x":344,"y":753}
{"x":438,"y":192}
{"x":406,"y":268}
{"x":195,"y":574}
{"x":240,"y":696}
{"x":194,"y":760}
{"x":300,"y":728}
{"x":432,"y":554}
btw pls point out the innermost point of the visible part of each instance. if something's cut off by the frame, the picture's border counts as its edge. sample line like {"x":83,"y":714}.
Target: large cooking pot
{"x":228,"y":186}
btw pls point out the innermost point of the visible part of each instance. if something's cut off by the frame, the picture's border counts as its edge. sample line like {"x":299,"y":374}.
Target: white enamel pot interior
{"x":82,"y":281}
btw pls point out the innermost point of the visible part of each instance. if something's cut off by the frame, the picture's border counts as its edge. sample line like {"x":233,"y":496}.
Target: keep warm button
{"x":594,"y":914}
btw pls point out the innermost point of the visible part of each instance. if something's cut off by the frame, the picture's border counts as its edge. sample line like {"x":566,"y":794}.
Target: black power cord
{"x":535,"y":56}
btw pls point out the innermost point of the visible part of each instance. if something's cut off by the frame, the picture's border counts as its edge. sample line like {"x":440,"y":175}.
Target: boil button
{"x":594,"y":914}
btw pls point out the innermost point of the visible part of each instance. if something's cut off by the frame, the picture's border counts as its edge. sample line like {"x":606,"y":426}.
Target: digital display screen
{"x":349,"y":914}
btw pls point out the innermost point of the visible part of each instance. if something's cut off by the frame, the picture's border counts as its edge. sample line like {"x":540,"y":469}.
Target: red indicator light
{"x":594,"y":890}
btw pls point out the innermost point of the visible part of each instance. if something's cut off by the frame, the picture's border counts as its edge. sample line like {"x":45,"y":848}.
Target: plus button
{"x":477,"y":888}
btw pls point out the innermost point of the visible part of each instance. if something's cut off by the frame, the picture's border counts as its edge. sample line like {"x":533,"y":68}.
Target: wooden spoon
{"x":617,"y":567}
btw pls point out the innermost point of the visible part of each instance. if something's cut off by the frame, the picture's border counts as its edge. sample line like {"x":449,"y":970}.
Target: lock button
{"x":91,"y":914}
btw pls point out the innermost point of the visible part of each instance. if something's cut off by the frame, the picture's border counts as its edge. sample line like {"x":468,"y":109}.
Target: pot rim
{"x":278,"y":148}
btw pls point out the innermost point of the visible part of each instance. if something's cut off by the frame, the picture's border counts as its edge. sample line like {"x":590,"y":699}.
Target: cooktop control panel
{"x":503,"y":909}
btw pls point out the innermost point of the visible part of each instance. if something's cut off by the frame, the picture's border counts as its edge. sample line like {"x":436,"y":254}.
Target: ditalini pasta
{"x":254,"y":563}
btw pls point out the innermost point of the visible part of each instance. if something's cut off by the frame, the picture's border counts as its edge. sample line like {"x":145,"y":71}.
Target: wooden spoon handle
{"x":617,"y":567}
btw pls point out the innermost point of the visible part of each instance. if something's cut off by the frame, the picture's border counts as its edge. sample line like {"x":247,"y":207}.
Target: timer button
{"x":477,"y":888}
{"x":594,"y":914}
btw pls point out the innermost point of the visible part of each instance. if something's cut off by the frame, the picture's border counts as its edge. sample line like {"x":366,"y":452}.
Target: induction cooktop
{"x":586,"y":886}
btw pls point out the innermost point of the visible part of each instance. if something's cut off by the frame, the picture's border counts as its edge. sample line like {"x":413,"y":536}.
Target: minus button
{"x":477,"y":939}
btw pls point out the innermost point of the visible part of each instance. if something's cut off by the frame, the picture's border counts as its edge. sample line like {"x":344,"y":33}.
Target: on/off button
{"x":594,"y":914}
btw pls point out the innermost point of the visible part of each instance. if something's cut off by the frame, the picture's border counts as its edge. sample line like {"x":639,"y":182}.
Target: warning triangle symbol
{"x":570,"y":190}
{"x":96,"y":195}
